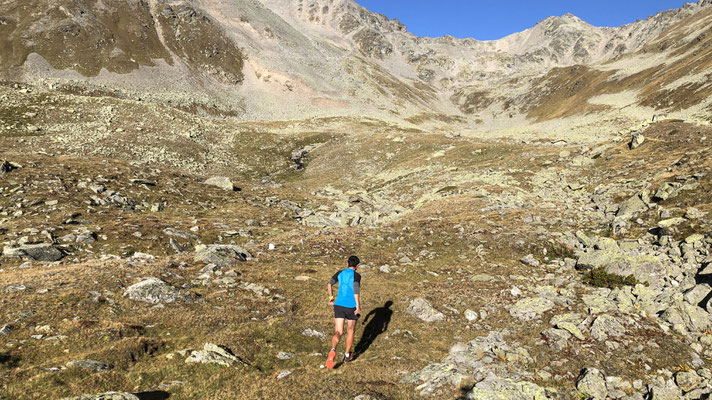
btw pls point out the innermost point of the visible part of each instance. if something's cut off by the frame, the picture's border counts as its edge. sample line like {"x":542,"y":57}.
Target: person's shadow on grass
{"x":377,"y":325}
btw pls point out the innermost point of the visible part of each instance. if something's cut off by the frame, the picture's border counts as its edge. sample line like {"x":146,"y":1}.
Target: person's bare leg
{"x":338,"y":331}
{"x":350,"y":328}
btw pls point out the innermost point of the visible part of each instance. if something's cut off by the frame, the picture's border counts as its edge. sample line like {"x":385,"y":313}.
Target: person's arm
{"x":329,"y":292}
{"x":357,"y":293}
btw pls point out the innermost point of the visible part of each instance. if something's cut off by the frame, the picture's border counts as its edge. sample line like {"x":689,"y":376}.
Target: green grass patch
{"x":599,"y":277}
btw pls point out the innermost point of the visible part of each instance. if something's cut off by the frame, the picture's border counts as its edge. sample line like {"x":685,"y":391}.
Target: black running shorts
{"x":344,"y":312}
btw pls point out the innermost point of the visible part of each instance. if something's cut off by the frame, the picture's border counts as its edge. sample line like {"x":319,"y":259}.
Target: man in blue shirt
{"x":347,"y":306}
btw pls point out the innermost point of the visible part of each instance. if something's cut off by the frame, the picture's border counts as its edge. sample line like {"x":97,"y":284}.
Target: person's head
{"x":353,"y":262}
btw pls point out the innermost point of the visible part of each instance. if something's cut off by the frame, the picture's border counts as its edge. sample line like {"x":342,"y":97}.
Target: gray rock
{"x":5,"y":329}
{"x":421,"y":308}
{"x":592,"y":383}
{"x":494,"y":388}
{"x":530,"y":260}
{"x":557,"y":338}
{"x":282,"y":355}
{"x":698,"y":293}
{"x":90,"y":365}
{"x":214,"y":354}
{"x":222,"y":255}
{"x":179,"y":233}
{"x":684,"y":316}
{"x":105,"y":396}
{"x":529,"y":308}
{"x":152,"y":290}
{"x":632,"y":206}
{"x":688,"y":380}
{"x":6,"y":166}
{"x":605,"y":326}
{"x":693,"y":214}
{"x":38,"y":252}
{"x":667,"y":190}
{"x":14,"y":288}
{"x":636,"y":141}
{"x":470,"y":315}
{"x":313,"y":333}
{"x":222,"y":182}
{"x":667,"y":391}
{"x":323,"y":221}
{"x":284,"y":374}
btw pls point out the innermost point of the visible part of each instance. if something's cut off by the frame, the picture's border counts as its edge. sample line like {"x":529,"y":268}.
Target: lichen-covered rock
{"x":153,"y":290}
{"x":529,"y":308}
{"x":684,"y":316}
{"x":214,"y":354}
{"x":105,"y":396}
{"x":222,"y":255}
{"x":421,"y":308}
{"x":494,"y":388}
{"x":605,"y":326}
{"x":592,"y":383}
{"x":687,"y":380}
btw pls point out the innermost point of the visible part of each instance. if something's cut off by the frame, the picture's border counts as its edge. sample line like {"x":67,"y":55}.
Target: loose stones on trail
{"x":153,"y":290}
{"x":421,"y":308}
{"x":214,"y":354}
{"x":105,"y":396}
{"x":222,"y":182}
{"x":222,"y":255}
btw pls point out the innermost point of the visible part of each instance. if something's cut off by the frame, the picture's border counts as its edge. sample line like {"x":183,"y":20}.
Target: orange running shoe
{"x":330,"y":359}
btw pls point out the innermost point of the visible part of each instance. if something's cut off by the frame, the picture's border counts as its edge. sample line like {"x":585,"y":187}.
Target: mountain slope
{"x":291,"y":60}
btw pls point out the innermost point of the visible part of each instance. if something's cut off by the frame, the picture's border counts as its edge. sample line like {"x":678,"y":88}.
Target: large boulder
{"x":154,"y":291}
{"x":684,"y":316}
{"x":222,"y":255}
{"x":631,"y":206}
{"x":421,"y":308}
{"x":529,"y":308}
{"x":105,"y":396}
{"x":38,"y":252}
{"x":222,"y":182}
{"x":592,"y":384}
{"x":214,"y":354}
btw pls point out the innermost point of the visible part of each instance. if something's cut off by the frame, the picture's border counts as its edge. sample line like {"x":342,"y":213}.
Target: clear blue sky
{"x":494,"y":19}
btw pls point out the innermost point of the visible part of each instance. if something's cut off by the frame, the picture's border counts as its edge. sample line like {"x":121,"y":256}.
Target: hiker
{"x":347,"y":306}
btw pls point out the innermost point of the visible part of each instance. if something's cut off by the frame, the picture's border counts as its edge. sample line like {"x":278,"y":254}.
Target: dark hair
{"x":353,"y":261}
